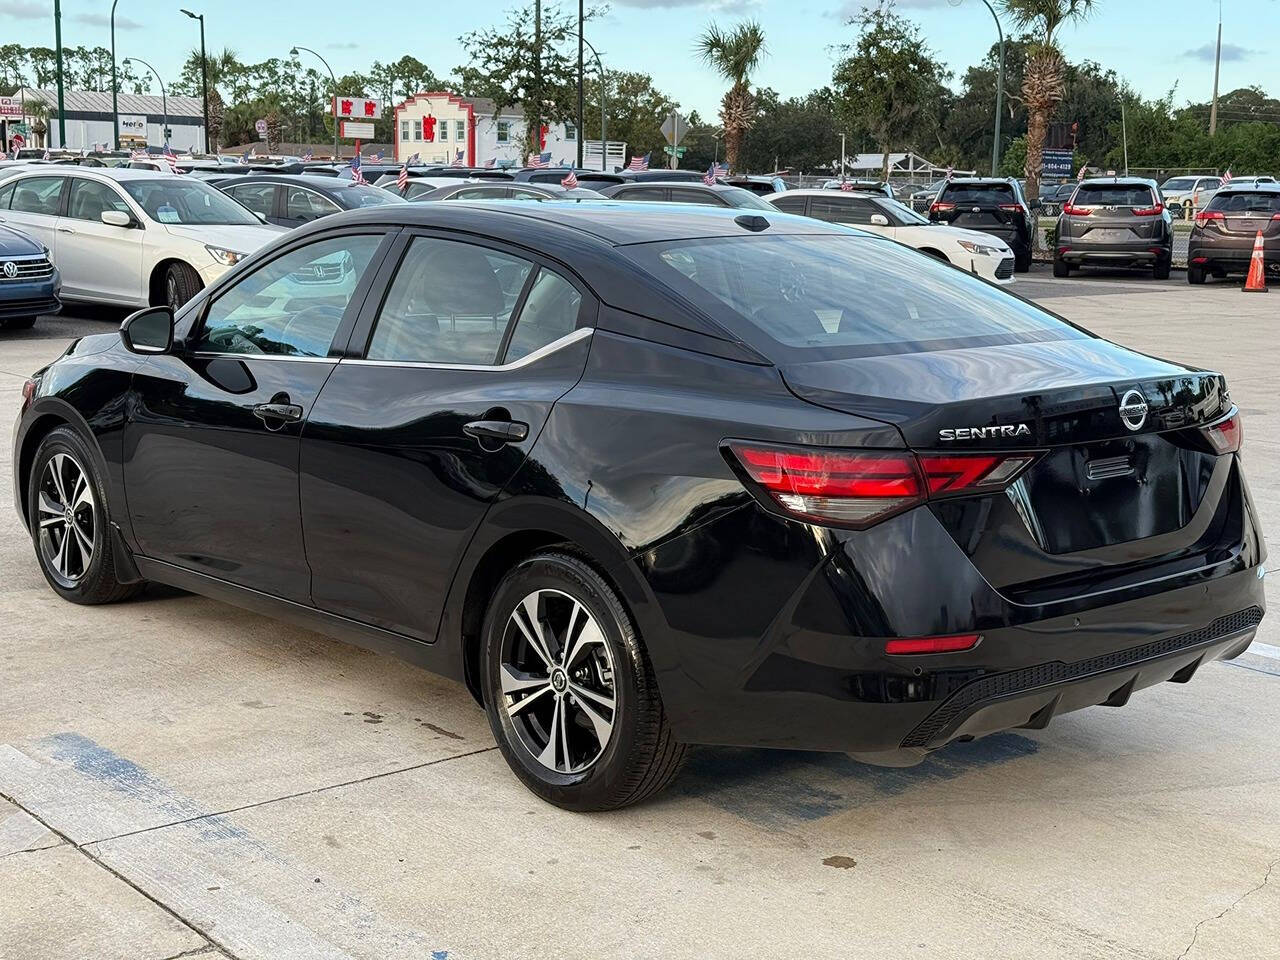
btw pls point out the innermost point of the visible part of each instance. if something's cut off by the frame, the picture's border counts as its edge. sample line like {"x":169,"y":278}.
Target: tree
{"x":888,"y":82}
{"x":1045,"y":72}
{"x":734,"y":54}
{"x":636,"y":110}
{"x":222,"y":69}
{"x":800,"y":133}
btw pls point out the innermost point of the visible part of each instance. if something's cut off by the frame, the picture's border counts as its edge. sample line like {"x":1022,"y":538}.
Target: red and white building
{"x":437,"y":125}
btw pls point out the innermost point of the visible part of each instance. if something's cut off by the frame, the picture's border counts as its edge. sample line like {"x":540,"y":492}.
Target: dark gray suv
{"x":1115,"y":222}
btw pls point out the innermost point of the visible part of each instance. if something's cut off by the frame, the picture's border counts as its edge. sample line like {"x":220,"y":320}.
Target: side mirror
{"x":1036,"y":204}
{"x":879,"y":220}
{"x":148,"y":331}
{"x":116,"y":218}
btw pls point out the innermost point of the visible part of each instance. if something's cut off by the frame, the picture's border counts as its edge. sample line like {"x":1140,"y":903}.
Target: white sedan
{"x":980,"y":253}
{"x":130,"y":237}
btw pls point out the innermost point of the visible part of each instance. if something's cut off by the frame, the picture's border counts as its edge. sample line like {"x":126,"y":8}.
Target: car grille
{"x":28,"y":308}
{"x":29,"y":269}
{"x":1005,"y":270}
{"x":967,"y":698}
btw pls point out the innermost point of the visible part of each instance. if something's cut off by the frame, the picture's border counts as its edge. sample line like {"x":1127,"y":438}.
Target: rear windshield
{"x":366,"y":196}
{"x":802,"y":298}
{"x":1268,"y":202}
{"x":978,"y":192}
{"x":1113,"y":195}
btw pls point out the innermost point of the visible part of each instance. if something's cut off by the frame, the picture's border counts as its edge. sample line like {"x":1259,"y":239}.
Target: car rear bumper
{"x":1117,"y":254}
{"x":1235,"y":259}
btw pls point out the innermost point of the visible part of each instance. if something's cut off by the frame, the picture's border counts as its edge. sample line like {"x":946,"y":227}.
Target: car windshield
{"x":171,"y":199}
{"x":365,"y":196}
{"x":803,"y":298}
{"x":904,"y":213}
{"x":978,"y":192}
{"x":1178,"y":183}
{"x":1113,"y":195}
{"x":1265,"y":203}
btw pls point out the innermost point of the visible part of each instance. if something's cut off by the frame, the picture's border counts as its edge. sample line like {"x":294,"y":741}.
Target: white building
{"x":437,"y":125}
{"x":89,"y":120}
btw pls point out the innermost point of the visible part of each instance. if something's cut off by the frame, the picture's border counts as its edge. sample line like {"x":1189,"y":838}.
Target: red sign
{"x":11,"y":107}
{"x":354,"y":108}
{"x":18,"y":140}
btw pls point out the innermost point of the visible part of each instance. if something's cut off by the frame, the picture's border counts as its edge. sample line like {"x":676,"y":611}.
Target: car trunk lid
{"x":1116,"y":213}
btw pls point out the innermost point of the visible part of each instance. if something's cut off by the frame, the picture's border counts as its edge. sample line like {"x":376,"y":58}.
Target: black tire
{"x":18,"y":323}
{"x":1022,"y":261}
{"x":181,"y":283}
{"x":96,"y":581}
{"x":640,"y":756}
{"x":1061,"y":268}
{"x":1195,"y":275}
{"x":1161,"y":269}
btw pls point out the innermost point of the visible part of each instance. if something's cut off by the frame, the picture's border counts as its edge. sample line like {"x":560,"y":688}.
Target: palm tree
{"x":220,"y":68}
{"x":734,"y":55}
{"x":1045,"y":78}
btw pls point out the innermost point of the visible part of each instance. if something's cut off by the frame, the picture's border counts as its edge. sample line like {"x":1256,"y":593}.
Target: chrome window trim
{"x":216,"y":354}
{"x":558,"y":344}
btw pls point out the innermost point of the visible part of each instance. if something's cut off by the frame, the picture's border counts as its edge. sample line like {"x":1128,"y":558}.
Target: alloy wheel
{"x":67,"y":518}
{"x":557,"y":677}
{"x":171,"y":291}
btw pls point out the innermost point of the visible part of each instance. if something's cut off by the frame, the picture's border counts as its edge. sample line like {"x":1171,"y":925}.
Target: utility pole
{"x":842,"y":156}
{"x":62,"y":107}
{"x":1217,"y":63}
{"x":115,"y":83}
{"x":1124,"y":134}
{"x":535,"y":135}
{"x":995,"y":142}
{"x":581,"y":106}
{"x":604,"y":128}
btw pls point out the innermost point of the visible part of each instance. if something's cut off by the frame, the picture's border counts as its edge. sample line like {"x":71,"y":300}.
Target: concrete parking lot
{"x":180,"y":778}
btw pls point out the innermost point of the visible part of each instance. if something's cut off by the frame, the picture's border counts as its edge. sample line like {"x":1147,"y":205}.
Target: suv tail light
{"x":1149,"y":211}
{"x":941,"y":207}
{"x":1204,"y":216}
{"x":1226,"y":436}
{"x":1073,"y":211}
{"x":858,"y":488}
{"x":1010,"y":206}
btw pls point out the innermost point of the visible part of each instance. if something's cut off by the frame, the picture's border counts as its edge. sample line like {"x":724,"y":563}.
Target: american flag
{"x":539,"y":160}
{"x":356,"y":175}
{"x":570,"y":181}
{"x":950,"y":171}
{"x":244,"y":157}
{"x":413,"y":160}
{"x":458,"y":160}
{"x":1226,"y":177}
{"x":306,"y":157}
{"x":491,"y":163}
{"x":1083,"y":170}
{"x":170,"y":159}
{"x":639,"y":163}
{"x":377,"y":157}
{"x":402,"y":178}
{"x":46,"y":155}
{"x":721,"y":169}
{"x":846,"y":185}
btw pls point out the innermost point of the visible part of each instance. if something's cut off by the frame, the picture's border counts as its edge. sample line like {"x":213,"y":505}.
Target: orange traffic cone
{"x":1256,"y":282}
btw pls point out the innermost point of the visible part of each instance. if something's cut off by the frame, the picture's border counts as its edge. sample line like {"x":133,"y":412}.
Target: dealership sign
{"x":356,"y":130}
{"x":1057,"y":163}
{"x":11,"y":107}
{"x":132,"y":125}
{"x":356,"y":108}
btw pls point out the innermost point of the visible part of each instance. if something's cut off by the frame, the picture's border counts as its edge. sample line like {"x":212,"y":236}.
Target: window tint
{"x":705,"y":197}
{"x":307,"y":205}
{"x":1113,"y":195}
{"x":90,"y":200}
{"x":479,"y":193}
{"x":639,"y":193}
{"x":842,"y":209}
{"x":449,"y":303}
{"x":803,"y":298}
{"x":292,"y":305}
{"x":37,"y":195}
{"x":258,"y":197}
{"x":363,"y":195}
{"x":520,"y":194}
{"x":549,"y":313}
{"x":978,"y":193}
{"x":1260,"y":202}
{"x":789,"y":204}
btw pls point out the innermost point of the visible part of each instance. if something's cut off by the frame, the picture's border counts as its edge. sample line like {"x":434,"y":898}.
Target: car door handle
{"x":65,"y":230}
{"x":499,"y":431}
{"x":276,"y":415}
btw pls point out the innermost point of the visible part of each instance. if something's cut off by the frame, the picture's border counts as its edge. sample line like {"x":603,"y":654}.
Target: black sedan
{"x":642,"y":481}
{"x":507,"y":191}
{"x":711,"y":195}
{"x":291,"y":201}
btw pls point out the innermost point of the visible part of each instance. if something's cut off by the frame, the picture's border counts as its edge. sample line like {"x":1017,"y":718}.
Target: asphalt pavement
{"x":181,"y":778}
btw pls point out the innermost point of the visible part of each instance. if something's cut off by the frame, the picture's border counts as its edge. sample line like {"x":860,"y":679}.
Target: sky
{"x":1153,"y":46}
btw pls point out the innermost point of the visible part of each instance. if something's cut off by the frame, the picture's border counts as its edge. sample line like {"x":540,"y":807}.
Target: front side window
{"x":449,"y":303}
{"x":258,"y":197}
{"x":37,"y":195}
{"x":6,"y":196}
{"x":790,"y":204}
{"x":839,"y":209}
{"x":504,"y":131}
{"x":291,"y":306}
{"x":170,"y":199}
{"x":804,"y":298}
{"x":307,"y":205}
{"x":90,"y":200}
{"x":549,"y":313}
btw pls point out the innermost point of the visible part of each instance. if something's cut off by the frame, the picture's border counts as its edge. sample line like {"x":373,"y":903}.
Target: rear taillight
{"x":941,"y":207}
{"x":1149,"y":211}
{"x":1074,"y":211}
{"x":1204,"y":216}
{"x":1226,"y":436}
{"x":916,"y":646}
{"x":1011,"y":206}
{"x":858,"y":488}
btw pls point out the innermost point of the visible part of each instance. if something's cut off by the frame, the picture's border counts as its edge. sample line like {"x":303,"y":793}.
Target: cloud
{"x":715,"y":6}
{"x":343,"y":45}
{"x":25,"y":10}
{"x":1230,"y":53}
{"x":102,"y":20}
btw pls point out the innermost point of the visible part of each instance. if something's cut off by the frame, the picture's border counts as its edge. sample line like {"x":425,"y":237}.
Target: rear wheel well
{"x":38,"y":430}
{"x":493,"y":566}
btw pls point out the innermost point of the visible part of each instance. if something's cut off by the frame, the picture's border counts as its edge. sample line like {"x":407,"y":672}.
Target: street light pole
{"x":115,"y":83}
{"x":1217,"y":63}
{"x":164,"y":102}
{"x":57,"y":39}
{"x":581,"y":95}
{"x":204,"y":76}
{"x":293,"y":51}
{"x":995,"y":143}
{"x":604,"y":128}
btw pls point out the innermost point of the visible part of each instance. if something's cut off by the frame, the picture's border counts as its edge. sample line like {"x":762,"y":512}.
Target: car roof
{"x":616,"y":223}
{"x":827,"y":192}
{"x":1120,"y":181}
{"x":108,"y":173}
{"x":1265,"y":186}
{"x":316,"y":182}
{"x":978,"y":180}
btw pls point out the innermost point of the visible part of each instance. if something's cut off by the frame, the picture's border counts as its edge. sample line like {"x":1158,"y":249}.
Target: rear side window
{"x":37,"y":195}
{"x":978,"y":193}
{"x":1259,"y":202}
{"x":789,"y":204}
{"x":804,"y":298}
{"x":307,"y":205}
{"x":450,"y":302}
{"x":1113,"y":195}
{"x":704,"y":197}
{"x":258,"y":197}
{"x":842,"y":209}
{"x":549,"y":313}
